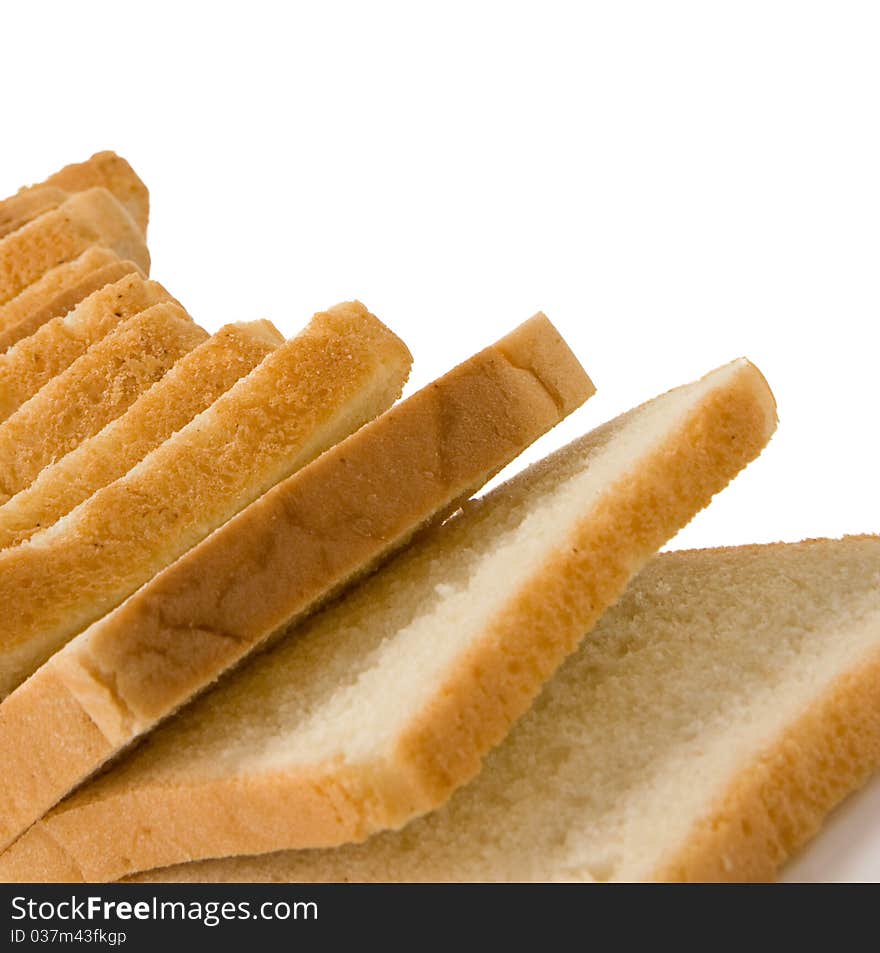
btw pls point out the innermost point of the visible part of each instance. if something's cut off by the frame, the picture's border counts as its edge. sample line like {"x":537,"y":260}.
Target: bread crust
{"x":772,"y":806}
{"x":93,"y":217}
{"x":51,"y":303}
{"x":112,"y":828}
{"x":278,"y":560}
{"x":54,"y":282}
{"x":28,"y":204}
{"x":104,"y":169}
{"x":475,"y":709}
{"x":342,"y":370}
{"x":96,"y":388}
{"x":34,"y":361}
{"x":189,"y":387}
{"x":779,"y":800}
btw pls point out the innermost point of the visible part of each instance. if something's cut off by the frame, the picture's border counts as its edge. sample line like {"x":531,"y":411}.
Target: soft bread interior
{"x":346,"y":686}
{"x":277,"y":561}
{"x":273,"y":421}
{"x":88,"y":218}
{"x":695,"y":675}
{"x":47,"y":353}
{"x":377,"y":710}
{"x":15,"y":315}
{"x":190,"y":387}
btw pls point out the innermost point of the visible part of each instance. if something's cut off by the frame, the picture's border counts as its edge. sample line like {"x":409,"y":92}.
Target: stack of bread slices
{"x":260,"y":624}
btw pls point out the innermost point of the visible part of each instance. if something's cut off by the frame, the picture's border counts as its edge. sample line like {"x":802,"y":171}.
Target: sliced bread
{"x":381,"y":707}
{"x":104,"y":169}
{"x":35,"y":360}
{"x":702,"y":732}
{"x":54,"y":282}
{"x":275,"y":561}
{"x":191,"y":386}
{"x":60,"y":290}
{"x":341,"y":371}
{"x":85,"y":219}
{"x":96,"y":388}
{"x":28,"y":204}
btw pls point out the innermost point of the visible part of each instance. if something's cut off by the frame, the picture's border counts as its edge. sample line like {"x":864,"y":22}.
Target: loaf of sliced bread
{"x":341,"y":371}
{"x":191,"y":386}
{"x":85,"y":219}
{"x":35,"y":360}
{"x":702,"y":732}
{"x":381,"y":707}
{"x":274,"y":562}
{"x":60,"y":290}
{"x":96,"y":388}
{"x":104,"y":169}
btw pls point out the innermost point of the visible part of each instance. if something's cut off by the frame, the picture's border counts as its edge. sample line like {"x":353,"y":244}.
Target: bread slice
{"x":104,"y":169}
{"x":378,"y":709}
{"x":60,"y":290}
{"x":25,"y":206}
{"x":275,"y":561}
{"x":341,"y":371}
{"x":190,"y":387}
{"x":96,"y":388}
{"x":53,"y":283}
{"x":34,"y":361}
{"x":702,"y":732}
{"x":85,"y":219}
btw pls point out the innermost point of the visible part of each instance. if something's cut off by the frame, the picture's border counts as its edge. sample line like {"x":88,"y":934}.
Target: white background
{"x":675,"y":184}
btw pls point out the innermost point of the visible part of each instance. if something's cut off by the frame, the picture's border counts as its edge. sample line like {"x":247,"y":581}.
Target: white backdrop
{"x":675,"y":184}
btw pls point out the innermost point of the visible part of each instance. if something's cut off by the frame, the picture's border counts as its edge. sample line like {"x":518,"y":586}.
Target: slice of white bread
{"x":104,"y":169}
{"x":60,"y":290}
{"x":275,"y":561}
{"x":85,"y":219}
{"x":191,"y":386}
{"x":96,"y":388}
{"x":341,"y":371}
{"x":702,"y":732}
{"x":379,"y":708}
{"x":35,"y":360}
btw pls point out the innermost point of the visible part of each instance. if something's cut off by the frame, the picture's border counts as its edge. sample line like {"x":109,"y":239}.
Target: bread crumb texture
{"x":702,"y":731}
{"x":86,"y":219}
{"x":379,"y":708}
{"x":305,"y":396}
{"x":103,"y":170}
{"x":56,"y":344}
{"x":190,"y":387}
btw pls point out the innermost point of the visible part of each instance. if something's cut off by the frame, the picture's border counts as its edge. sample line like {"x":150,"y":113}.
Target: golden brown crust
{"x":47,"y":702}
{"x":774,"y":805}
{"x":112,"y":172}
{"x":778,"y":802}
{"x":60,"y":303}
{"x":96,"y":388}
{"x":54,"y":282}
{"x":104,"y":169}
{"x":85,"y":219}
{"x":102,"y":844}
{"x":24,"y":207}
{"x":468,"y":714}
{"x":335,"y":518}
{"x":287,"y":552}
{"x":191,"y":386}
{"x":341,"y":371}
{"x":33,"y":362}
{"x":500,"y":678}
